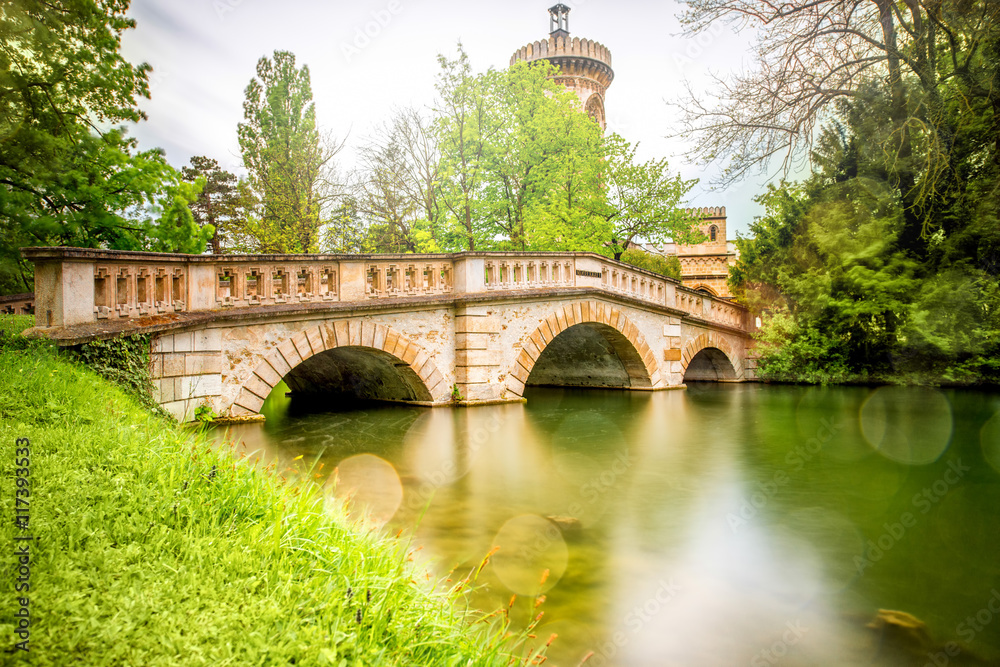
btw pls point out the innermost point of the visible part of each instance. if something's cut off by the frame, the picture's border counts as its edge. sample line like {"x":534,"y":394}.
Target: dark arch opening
{"x":356,"y":374}
{"x":710,"y":365}
{"x":589,"y":355}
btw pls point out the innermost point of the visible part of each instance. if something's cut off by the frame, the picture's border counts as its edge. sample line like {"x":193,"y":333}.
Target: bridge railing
{"x":76,"y":286}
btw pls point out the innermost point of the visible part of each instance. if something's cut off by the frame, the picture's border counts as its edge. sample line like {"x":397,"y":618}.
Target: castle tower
{"x":584,"y":65}
{"x":705,"y":265}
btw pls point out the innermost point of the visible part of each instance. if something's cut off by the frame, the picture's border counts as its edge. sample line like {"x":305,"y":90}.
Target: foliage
{"x":668,"y":266}
{"x":165,"y":544}
{"x":643,"y":200}
{"x":123,"y":361}
{"x":286,"y":157}
{"x":885,"y":259}
{"x":791,"y":352}
{"x":542,"y":180}
{"x":63,"y":181}
{"x":508,"y":161}
{"x":218,"y":204}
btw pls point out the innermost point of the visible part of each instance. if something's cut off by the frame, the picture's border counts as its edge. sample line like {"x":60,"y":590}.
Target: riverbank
{"x":151,"y":547}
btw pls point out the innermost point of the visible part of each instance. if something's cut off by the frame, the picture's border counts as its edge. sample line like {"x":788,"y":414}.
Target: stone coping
{"x":43,"y":253}
{"x":102,"y":330}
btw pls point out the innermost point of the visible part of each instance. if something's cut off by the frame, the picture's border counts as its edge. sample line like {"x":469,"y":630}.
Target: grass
{"x":156,"y":548}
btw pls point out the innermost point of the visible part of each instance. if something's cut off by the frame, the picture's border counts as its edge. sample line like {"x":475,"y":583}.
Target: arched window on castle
{"x":713,"y":233}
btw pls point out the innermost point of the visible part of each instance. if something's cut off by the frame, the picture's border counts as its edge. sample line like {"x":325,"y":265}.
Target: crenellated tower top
{"x":584,"y":65}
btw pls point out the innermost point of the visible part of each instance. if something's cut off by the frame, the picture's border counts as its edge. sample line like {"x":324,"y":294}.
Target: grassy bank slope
{"x":154,"y":549}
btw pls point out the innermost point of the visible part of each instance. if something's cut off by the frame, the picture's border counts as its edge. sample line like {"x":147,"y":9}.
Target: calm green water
{"x":720,"y":525}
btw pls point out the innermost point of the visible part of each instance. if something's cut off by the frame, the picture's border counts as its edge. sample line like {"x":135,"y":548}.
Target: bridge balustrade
{"x":76,"y":286}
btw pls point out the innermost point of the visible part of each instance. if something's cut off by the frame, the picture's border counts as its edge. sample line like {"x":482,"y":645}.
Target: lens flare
{"x":910,"y":425}
{"x":989,"y":440}
{"x":370,"y":486}
{"x":529,"y":545}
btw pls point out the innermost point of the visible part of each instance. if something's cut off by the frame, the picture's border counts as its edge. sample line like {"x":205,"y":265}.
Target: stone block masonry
{"x":426,"y":329}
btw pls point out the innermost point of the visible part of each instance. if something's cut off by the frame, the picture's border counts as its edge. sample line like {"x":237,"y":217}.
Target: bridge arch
{"x":609,"y":322}
{"x":711,"y":353}
{"x":347,"y":337}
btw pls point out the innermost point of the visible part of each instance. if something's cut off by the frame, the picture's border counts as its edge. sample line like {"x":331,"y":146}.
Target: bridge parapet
{"x":77,"y":286}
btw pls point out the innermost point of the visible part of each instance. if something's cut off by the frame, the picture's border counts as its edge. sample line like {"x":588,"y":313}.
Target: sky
{"x":367,"y":57}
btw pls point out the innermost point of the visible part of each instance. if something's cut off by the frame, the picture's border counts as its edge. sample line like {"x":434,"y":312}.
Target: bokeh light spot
{"x":528,"y":546}
{"x":371,"y":487}
{"x":910,"y":425}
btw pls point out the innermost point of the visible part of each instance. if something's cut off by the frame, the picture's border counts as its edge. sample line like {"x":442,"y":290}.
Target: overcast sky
{"x":365,"y":57}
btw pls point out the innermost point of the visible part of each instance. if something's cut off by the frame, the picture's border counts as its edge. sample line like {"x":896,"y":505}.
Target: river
{"x":724,"y":524}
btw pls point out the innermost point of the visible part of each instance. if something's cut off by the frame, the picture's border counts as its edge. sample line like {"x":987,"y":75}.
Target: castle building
{"x":584,"y":65}
{"x":585,"y":68}
{"x":705,"y":265}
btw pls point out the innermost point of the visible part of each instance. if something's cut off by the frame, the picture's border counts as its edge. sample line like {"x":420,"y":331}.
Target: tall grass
{"x":156,"y":548}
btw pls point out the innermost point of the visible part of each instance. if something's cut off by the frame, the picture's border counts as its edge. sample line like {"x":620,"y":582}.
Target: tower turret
{"x":584,"y":65}
{"x":559,"y":21}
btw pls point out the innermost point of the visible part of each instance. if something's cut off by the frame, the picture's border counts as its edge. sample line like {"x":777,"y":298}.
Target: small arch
{"x":710,"y":357}
{"x":335,"y":345}
{"x":605,"y":325}
{"x":705,"y":289}
{"x":713,"y":233}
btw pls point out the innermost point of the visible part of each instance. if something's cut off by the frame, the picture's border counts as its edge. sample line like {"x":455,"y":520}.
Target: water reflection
{"x":722,"y":525}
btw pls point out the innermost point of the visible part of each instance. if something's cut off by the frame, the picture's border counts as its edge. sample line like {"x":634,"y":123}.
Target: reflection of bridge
{"x":430,"y":329}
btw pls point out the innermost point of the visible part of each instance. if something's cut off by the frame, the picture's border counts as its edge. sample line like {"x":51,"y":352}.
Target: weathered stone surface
{"x":302,"y":345}
{"x":290,"y":354}
{"x":490,"y":351}
{"x":184,"y":342}
{"x":267,"y":374}
{"x":201,"y":363}
{"x":173,"y":365}
{"x":199,"y":386}
{"x":258,"y":386}
{"x":207,"y":340}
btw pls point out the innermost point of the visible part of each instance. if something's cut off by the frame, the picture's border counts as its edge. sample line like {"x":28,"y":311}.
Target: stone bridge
{"x":466,"y":328}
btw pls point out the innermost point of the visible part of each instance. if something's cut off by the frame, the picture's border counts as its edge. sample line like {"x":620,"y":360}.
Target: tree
{"x":928,"y":57}
{"x":463,"y":126}
{"x":218,"y":203}
{"x":286,"y":158}
{"x":643,"y":200}
{"x":668,"y":266}
{"x":397,"y":186}
{"x":542,"y":165}
{"x":63,"y":181}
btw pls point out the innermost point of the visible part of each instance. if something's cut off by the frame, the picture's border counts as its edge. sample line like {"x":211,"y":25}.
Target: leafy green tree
{"x":283,"y":151}
{"x":63,"y":181}
{"x":643,"y":200}
{"x":397,"y":186}
{"x":542,"y":166}
{"x":218,"y":203}
{"x":463,"y":125}
{"x":668,"y":266}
